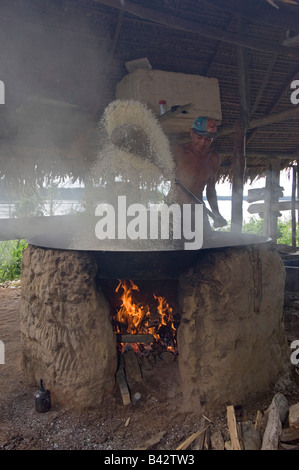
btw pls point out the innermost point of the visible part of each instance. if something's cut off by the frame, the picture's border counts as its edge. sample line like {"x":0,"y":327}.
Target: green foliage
{"x":11,"y":253}
{"x":284,"y":229}
{"x":284,"y":232}
{"x":254,"y":226}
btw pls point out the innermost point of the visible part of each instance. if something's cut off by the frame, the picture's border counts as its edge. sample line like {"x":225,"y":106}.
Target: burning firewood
{"x":147,"y":326}
{"x":137,"y":338}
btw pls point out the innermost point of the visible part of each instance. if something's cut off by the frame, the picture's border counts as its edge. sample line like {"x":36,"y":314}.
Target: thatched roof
{"x":68,"y":55}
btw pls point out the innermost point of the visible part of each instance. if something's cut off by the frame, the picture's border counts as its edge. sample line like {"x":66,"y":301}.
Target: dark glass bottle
{"x":42,"y":399}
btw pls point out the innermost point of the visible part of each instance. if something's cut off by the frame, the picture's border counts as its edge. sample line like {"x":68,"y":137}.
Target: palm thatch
{"x":61,"y":61}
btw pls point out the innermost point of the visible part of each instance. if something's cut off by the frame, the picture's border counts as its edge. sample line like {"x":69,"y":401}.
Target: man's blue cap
{"x":205,"y":126}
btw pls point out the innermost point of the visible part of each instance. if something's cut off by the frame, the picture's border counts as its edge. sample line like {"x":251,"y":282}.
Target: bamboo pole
{"x":297,"y":167}
{"x":266,"y":120}
{"x":294,"y":171}
{"x":238,"y":178}
{"x":271,"y":200}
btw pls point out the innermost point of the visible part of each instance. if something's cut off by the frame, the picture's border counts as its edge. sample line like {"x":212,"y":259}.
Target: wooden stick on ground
{"x":199,"y":443}
{"x":191,"y":439}
{"x":123,"y":386}
{"x":233,"y":428}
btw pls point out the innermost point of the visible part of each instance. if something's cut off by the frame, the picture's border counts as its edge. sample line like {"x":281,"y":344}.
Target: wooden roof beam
{"x":244,"y":88}
{"x":210,"y":32}
{"x":267,"y":15}
{"x":264,"y":83}
{"x":251,"y":154}
{"x":276,"y":102}
{"x":269,"y":119}
{"x":115,"y":37}
{"x":210,"y":65}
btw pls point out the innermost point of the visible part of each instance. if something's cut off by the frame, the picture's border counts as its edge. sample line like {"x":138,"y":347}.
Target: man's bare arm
{"x":211,"y":192}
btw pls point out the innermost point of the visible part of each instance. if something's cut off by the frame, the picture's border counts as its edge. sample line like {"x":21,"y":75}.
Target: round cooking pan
{"x":168,"y":264}
{"x":121,"y":258}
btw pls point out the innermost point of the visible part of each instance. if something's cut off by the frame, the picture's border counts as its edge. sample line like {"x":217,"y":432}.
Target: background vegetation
{"x":11,"y":253}
{"x":284,"y":229}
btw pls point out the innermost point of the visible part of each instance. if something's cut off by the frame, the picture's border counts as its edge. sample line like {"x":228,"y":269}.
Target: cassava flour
{"x":150,"y":166}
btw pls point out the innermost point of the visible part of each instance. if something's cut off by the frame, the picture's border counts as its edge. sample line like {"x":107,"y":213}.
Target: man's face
{"x":200,"y":143}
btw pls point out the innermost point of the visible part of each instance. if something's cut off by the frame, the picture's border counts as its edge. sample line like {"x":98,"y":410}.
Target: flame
{"x":165,"y":312}
{"x":136,"y":318}
{"x":130,"y":315}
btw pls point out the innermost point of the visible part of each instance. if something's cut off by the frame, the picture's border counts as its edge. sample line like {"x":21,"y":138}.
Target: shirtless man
{"x":197,"y":166}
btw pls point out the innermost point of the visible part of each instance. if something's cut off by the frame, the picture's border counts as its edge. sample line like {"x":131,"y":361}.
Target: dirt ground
{"x":156,"y":414}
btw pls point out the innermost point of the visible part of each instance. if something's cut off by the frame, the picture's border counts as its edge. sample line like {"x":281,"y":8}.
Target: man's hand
{"x":219,"y":221}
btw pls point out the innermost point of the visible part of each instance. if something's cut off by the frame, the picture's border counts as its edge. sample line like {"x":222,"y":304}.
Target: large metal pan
{"x":144,"y":259}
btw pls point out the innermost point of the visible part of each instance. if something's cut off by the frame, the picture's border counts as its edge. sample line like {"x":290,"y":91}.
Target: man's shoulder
{"x":214,"y":155}
{"x":180,"y":149}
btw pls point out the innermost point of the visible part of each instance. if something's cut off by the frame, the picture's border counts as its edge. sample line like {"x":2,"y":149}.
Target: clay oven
{"x":230,"y":336}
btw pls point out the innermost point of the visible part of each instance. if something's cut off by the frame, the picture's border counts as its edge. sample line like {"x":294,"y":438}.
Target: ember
{"x":145,"y":327}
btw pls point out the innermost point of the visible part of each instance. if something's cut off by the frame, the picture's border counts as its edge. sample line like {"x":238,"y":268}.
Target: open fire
{"x":146,"y":323}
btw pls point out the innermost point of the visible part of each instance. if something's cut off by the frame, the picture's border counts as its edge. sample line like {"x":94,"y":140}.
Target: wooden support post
{"x":298,"y":197}
{"x":271,"y":200}
{"x":259,"y":207}
{"x":267,"y":205}
{"x":243,"y":78}
{"x":294,"y":170}
{"x":238,"y":178}
{"x":240,"y":138}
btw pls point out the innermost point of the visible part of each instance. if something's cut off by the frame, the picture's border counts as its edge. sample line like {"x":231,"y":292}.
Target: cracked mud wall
{"x":231,"y":339}
{"x":67,"y":336}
